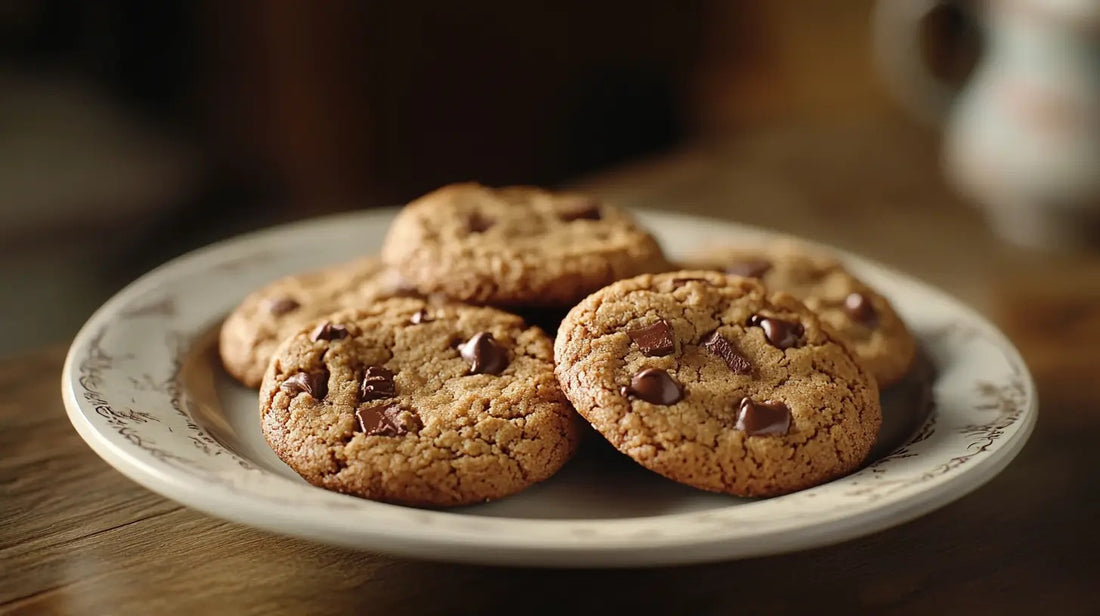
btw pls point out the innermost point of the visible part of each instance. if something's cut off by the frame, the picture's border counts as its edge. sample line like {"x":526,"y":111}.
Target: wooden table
{"x":78,"y":537}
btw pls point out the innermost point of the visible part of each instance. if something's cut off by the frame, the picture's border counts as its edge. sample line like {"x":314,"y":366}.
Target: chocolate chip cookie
{"x":516,"y":246}
{"x":251,"y":332}
{"x":864,"y":319}
{"x":419,"y":403}
{"x":711,"y":381}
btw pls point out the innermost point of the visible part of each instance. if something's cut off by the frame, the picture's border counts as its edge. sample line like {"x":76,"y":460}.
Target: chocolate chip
{"x":782,"y":334}
{"x":653,"y":340}
{"x":578,"y":208}
{"x":763,"y":418}
{"x":749,"y":268}
{"x":484,"y":353}
{"x":715,"y":343}
{"x":859,"y":308}
{"x":387,"y":420}
{"x":328,"y":331}
{"x":282,"y":305}
{"x":313,"y":383}
{"x":420,"y":316}
{"x":655,"y":386}
{"x":477,"y":223}
{"x":377,"y":384}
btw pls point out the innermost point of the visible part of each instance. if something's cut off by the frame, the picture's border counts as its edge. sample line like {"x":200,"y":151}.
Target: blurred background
{"x":134,"y":131}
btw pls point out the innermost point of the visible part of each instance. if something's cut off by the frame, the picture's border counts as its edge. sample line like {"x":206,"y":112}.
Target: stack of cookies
{"x":431,"y":375}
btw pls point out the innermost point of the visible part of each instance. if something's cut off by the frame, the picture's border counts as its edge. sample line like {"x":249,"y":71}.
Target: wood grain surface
{"x":76,"y":537}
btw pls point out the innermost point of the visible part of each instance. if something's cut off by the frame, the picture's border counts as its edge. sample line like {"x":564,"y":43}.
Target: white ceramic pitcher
{"x":1022,"y":137}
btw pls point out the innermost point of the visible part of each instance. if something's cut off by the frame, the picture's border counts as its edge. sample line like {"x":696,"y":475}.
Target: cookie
{"x":249,"y":335}
{"x":418,"y":403}
{"x":713,"y":382}
{"x":516,"y":246}
{"x":864,"y":319}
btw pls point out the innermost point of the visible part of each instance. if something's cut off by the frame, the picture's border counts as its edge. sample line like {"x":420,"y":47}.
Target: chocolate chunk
{"x":715,"y":343}
{"x":377,"y":384}
{"x":282,"y":305}
{"x":749,"y":268}
{"x":387,"y":420}
{"x":763,"y":418}
{"x":420,"y":316}
{"x":654,"y":340}
{"x":655,"y":386}
{"x":485,"y":354}
{"x":859,"y":308}
{"x":478,"y":223}
{"x":781,"y":334}
{"x":312,"y":383}
{"x":328,"y":331}
{"x":578,"y":208}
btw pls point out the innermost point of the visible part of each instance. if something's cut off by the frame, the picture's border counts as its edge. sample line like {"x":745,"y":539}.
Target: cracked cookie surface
{"x":863,"y":318}
{"x":662,"y":366}
{"x":250,"y":334}
{"x":420,"y":403}
{"x":516,"y":246}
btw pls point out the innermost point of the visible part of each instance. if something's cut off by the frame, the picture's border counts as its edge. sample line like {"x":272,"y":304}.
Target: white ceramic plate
{"x":143,"y":386}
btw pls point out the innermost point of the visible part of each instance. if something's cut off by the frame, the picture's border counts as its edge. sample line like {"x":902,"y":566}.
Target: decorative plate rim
{"x":234,"y":489}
